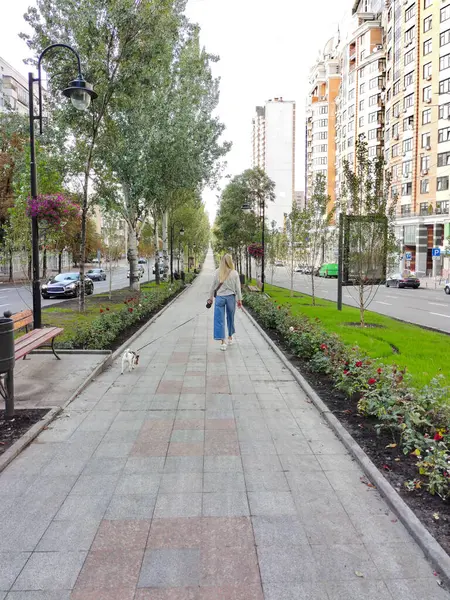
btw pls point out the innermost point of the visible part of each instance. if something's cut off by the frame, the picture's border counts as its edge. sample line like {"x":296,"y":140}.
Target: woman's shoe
{"x":223,"y":347}
{"x":230,"y":341}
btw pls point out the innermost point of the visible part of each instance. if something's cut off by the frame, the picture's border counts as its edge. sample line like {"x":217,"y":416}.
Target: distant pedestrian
{"x":226,"y":289}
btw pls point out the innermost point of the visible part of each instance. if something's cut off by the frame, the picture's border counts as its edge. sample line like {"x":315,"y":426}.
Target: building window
{"x":408,"y":101}
{"x":395,"y":150}
{"x":407,"y":169}
{"x":322,"y":148}
{"x":445,"y":13}
{"x":427,"y":47}
{"x":442,"y":208}
{"x":405,"y":210}
{"x":426,"y":116}
{"x":323,"y":110}
{"x":372,"y":151}
{"x":424,"y":164}
{"x":444,"y":111}
{"x":426,"y":141}
{"x":322,"y":123}
{"x":407,"y":189}
{"x":426,"y":93}
{"x":361,"y":121}
{"x":409,"y":234}
{"x":409,"y":79}
{"x":427,"y":24}
{"x":350,"y":142}
{"x":427,"y":3}
{"x":442,"y":183}
{"x":408,"y":123}
{"x":409,"y":57}
{"x":395,"y":131}
{"x":424,"y":186}
{"x":394,"y":192}
{"x":409,"y":12}
{"x":396,"y":88}
{"x":444,"y":86}
{"x":443,"y":159}
{"x":407,"y":145}
{"x":373,"y":100}
{"x":351,"y":94}
{"x":362,"y":88}
{"x":396,"y":110}
{"x":361,"y":105}
{"x":444,"y":62}
{"x":351,"y":111}
{"x":444,"y":135}
{"x":409,"y":36}
{"x":444,"y":38}
{"x":373,"y":134}
{"x":423,"y":205}
{"x":362,"y":72}
{"x":373,"y":117}
{"x":427,"y":70}
{"x":395,"y":172}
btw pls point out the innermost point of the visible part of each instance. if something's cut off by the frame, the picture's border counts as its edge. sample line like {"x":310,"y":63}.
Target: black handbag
{"x":208,"y":302}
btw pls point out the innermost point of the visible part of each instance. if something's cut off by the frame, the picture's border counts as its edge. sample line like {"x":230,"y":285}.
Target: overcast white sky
{"x":266,"y":48}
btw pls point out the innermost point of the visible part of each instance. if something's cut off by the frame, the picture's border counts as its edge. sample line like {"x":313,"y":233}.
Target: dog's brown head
{"x":137,"y":357}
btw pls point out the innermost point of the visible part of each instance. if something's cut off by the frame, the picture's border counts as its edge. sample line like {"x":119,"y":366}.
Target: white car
{"x":140,"y":272}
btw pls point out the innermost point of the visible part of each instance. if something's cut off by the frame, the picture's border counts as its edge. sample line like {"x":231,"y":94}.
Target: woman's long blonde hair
{"x":225,"y":268}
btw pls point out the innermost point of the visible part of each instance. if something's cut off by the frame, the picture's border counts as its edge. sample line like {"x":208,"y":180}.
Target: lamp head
{"x":80,"y":93}
{"x":246,"y":207}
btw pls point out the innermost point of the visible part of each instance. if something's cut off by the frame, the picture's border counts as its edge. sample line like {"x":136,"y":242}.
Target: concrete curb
{"x":431,"y":548}
{"x":7,"y":457}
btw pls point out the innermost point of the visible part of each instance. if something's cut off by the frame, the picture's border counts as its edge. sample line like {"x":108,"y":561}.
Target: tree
{"x":295,"y":236}
{"x":369,"y":237}
{"x":315,"y":228}
{"x":117,"y":41}
{"x":147,"y":245}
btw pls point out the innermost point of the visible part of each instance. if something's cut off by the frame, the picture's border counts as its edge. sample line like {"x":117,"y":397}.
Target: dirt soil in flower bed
{"x":362,"y":429}
{"x":12,"y":429}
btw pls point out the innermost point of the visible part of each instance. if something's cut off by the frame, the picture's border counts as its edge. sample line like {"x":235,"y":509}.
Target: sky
{"x":266,"y":50}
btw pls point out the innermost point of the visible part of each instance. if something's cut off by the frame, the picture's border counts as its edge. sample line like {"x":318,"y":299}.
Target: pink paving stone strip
{"x":189,"y":424}
{"x":175,"y":533}
{"x":179,"y":358}
{"x":220,"y":424}
{"x":110,"y":569}
{"x":221,"y":532}
{"x":186,"y":449}
{"x":116,"y":594}
{"x":146,"y":448}
{"x":221,"y":443}
{"x":234,"y":592}
{"x":168,"y":594}
{"x":126,"y":535}
{"x":169,"y":387}
{"x":193,"y":390}
{"x":229,"y":566}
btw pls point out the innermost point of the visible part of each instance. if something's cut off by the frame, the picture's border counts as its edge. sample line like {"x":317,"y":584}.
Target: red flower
{"x":379,"y":371}
{"x":323,"y":347}
{"x":101,"y":310}
{"x":359,"y":364}
{"x":372,"y":381}
{"x":107,"y":308}
{"x":438,"y":437}
{"x":346,"y":371}
{"x":130,"y":310}
{"x":279,"y":307}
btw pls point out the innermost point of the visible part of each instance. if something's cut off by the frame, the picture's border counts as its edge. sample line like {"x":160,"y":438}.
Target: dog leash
{"x":167,"y":332}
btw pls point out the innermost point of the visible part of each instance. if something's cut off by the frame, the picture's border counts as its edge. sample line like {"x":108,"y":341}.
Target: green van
{"x":328,"y":270}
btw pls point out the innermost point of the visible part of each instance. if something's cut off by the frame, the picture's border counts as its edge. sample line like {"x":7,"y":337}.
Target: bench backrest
{"x":22,"y":319}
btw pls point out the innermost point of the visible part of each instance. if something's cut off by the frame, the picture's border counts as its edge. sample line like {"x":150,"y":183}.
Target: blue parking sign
{"x":436,"y":252}
{"x":408,"y":255}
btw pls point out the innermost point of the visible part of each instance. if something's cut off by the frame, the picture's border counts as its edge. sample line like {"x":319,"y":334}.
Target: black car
{"x":403,"y":281}
{"x":447,"y":288}
{"x":96,"y":274}
{"x":66,"y":285}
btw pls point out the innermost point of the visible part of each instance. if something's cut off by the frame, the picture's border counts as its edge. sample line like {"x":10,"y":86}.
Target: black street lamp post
{"x":262,"y":214}
{"x":171,"y":246}
{"x":80,"y":92}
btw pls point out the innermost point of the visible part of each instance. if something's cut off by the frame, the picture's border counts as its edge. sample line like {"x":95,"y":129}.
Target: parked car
{"x":279,"y":263}
{"x":66,"y":285}
{"x":398,"y":280}
{"x":328,"y":270}
{"x":95,"y":261}
{"x":142,"y":261}
{"x":447,"y":288}
{"x":161,"y":269}
{"x":96,"y":274}
{"x":140,"y":272}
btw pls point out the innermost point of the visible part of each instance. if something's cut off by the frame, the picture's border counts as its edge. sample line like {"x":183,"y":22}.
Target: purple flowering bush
{"x":55,"y":209}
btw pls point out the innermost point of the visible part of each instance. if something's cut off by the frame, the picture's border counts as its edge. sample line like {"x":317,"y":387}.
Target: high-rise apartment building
{"x":13,"y":89}
{"x":394,"y":89}
{"x":273,"y":142}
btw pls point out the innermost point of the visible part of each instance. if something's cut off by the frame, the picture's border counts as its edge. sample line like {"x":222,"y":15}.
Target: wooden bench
{"x":253,"y":288}
{"x":37,"y":338}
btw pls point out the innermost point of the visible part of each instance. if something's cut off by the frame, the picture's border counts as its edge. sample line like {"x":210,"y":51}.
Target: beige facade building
{"x":393,"y":68}
{"x":13,"y":89}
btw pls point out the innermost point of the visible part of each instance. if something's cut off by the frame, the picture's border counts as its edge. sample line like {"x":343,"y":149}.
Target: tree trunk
{"x":110,"y":277}
{"x":313,"y":288}
{"x":11,"y":267}
{"x":133,"y":258}
{"x":165,"y":240}
{"x":60,"y":253}
{"x":157,"y":276}
{"x":292,"y":269}
{"x":361,"y":305}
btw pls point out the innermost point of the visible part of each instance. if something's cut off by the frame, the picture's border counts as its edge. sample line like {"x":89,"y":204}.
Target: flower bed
{"x":416,"y":419}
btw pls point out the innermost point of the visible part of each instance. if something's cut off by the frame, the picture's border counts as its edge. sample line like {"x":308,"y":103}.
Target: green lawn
{"x":424,"y":353}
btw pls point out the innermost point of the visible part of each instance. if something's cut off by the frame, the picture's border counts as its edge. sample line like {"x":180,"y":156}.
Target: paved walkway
{"x":200,"y":476}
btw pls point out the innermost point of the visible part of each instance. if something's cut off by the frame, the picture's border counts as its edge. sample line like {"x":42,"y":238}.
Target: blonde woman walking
{"x":226,"y":289}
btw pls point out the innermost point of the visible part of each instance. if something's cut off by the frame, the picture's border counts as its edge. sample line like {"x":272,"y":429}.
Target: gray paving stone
{"x":225,"y":505}
{"x":400,"y":561}
{"x":88,"y":507}
{"x":258,"y":481}
{"x":297,"y":462}
{"x":170,"y":506}
{"x":183,"y":464}
{"x":381,"y":529}
{"x":11,"y":563}
{"x":192,"y":401}
{"x":50,"y":571}
{"x":69,"y":536}
{"x":61,"y":595}
{"x":261,"y":462}
{"x":181,"y":483}
{"x":170,"y":568}
{"x":337,"y":462}
{"x":417,"y":589}
{"x":131,"y":506}
{"x":304,"y":591}
{"x":120,"y":437}
{"x":147,"y":464}
{"x":138,"y":483}
{"x":342,"y":562}
{"x":114,"y":450}
{"x":223,"y":464}
{"x":264,"y":447}
{"x":271,"y":503}
{"x":287,"y":564}
{"x":96,"y":485}
{"x":15,"y":485}
{"x":224,"y":482}
{"x":104,"y":466}
{"x":187,"y":435}
{"x":279,"y":531}
{"x":365,"y":590}
{"x":292,"y":446}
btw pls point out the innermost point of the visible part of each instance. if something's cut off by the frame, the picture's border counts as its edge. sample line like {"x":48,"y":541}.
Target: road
{"x":427,"y":307}
{"x":17,"y":298}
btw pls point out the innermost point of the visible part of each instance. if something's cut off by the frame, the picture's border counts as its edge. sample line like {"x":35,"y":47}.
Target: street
{"x":18,"y":298}
{"x":427,"y":307}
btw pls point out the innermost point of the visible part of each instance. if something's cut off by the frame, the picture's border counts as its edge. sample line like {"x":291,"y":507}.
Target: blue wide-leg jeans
{"x":224,"y":304}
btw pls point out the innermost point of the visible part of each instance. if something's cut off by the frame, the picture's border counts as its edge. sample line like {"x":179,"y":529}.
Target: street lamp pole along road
{"x":80,"y":93}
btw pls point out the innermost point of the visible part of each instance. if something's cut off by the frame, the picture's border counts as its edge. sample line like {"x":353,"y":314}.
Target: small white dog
{"x":131,"y":358}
